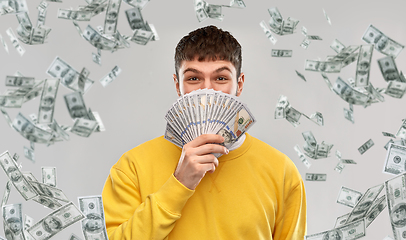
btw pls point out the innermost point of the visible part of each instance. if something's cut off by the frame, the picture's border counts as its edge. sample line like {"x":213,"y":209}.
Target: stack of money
{"x":206,"y":10}
{"x":207,"y":112}
{"x":279,"y":25}
{"x":285,"y":110}
{"x":313,"y":149}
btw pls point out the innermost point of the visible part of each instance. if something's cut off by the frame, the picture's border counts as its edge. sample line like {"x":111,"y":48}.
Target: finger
{"x":208,"y":168}
{"x":206,"y":159}
{"x":210,"y":148}
{"x":205,"y":138}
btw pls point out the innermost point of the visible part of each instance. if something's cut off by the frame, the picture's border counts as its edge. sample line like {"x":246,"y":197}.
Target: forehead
{"x":206,"y":65}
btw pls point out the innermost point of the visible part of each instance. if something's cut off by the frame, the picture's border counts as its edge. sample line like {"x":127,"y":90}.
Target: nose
{"x":207,"y":84}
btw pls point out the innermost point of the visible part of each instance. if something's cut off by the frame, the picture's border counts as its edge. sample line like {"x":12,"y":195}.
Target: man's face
{"x":333,"y":235}
{"x":94,"y":224}
{"x":219,"y":75}
{"x":52,"y":223}
{"x":399,"y":215}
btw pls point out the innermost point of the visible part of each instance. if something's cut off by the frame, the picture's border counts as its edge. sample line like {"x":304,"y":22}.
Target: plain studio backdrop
{"x":133,"y":106}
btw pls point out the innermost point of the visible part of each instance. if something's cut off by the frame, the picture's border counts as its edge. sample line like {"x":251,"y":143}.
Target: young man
{"x":160,"y":191}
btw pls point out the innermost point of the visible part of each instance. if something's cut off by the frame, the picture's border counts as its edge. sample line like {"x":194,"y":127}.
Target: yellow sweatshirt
{"x":256,"y":192}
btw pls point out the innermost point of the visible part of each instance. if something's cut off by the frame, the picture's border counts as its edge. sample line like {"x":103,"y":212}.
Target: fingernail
{"x":227,"y":151}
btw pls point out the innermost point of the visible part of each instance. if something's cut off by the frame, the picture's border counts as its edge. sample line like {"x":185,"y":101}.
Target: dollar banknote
{"x":327,"y":80}
{"x":320,"y":66}
{"x":281,"y":53}
{"x":110,"y":22}
{"x":49,"y":176}
{"x":339,"y":167}
{"x":268,"y":32}
{"x":93,"y":226}
{"x":348,"y":197}
{"x":55,"y":222}
{"x":348,"y":93}
{"x":345,"y":53}
{"x":214,"y":11}
{"x":17,"y":6}
{"x":316,"y":177}
{"x":10,"y":101}
{"x":42,"y":11}
{"x":6,"y":193}
{"x":58,"y":130}
{"x":82,"y":79}
{"x":237,"y":4}
{"x":396,"y":200}
{"x":395,"y":159}
{"x":382,"y":43}
{"x":76,"y":105}
{"x":34,"y":92}
{"x":386,"y":134}
{"x":364,"y":204}
{"x":349,"y":115}
{"x":17,"y":179}
{"x":30,"y":131}
{"x":317,"y":118}
{"x":302,"y":157}
{"x":363,"y":66}
{"x":327,"y":17}
{"x":111,"y":76}
{"x":74,"y":15}
{"x":96,"y":58}
{"x":134,"y":18}
{"x":99,"y":41}
{"x":301,"y":76}
{"x":200,"y":10}
{"x":314,"y":37}
{"x":141,"y":36}
{"x":29,"y":154}
{"x":402,"y":130}
{"x":349,"y":231}
{"x":396,"y":89}
{"x":340,"y":221}
{"x":293,"y":116}
{"x":388,"y":69}
{"x":18,"y":81}
{"x":305,"y":43}
{"x":281,"y":106}
{"x":84,"y":127}
{"x":377,"y":207}
{"x":47,"y":191}
{"x":47,"y":103}
{"x":13,"y":219}
{"x":367,"y":145}
{"x":96,"y":117}
{"x":337,"y":46}
{"x":4,"y":44}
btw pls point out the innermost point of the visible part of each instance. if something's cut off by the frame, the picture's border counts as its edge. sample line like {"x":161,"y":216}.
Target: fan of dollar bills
{"x":207,"y":112}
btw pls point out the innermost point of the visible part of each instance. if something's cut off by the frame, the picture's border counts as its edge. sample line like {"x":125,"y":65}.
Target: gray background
{"x":133,"y":106}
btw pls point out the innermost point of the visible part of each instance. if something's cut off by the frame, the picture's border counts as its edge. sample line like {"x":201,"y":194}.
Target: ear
{"x":240,"y":84}
{"x":176,"y":81}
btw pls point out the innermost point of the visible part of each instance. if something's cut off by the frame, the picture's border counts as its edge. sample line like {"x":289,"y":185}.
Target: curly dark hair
{"x":208,"y":43}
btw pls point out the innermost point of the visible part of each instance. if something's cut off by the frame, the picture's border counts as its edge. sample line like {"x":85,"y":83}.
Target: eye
{"x":193,"y":79}
{"x":221,"y":78}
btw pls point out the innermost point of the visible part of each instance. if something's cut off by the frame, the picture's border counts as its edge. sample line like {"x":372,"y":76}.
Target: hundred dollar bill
{"x":304,"y":31}
{"x":348,"y":93}
{"x":93,"y":226}
{"x":48,"y":191}
{"x":339,"y":167}
{"x":15,"y":42}
{"x":325,"y":15}
{"x":141,"y":36}
{"x":137,"y":3}
{"x":268,"y":32}
{"x":365,"y":203}
{"x":4,"y":44}
{"x":214,"y":11}
{"x":337,"y":46}
{"x":320,"y":66}
{"x":305,"y":43}
{"x":6,"y":194}
{"x":55,"y":222}
{"x":30,"y":131}
{"x":17,"y":6}
{"x":367,"y":145}
{"x":340,"y":221}
{"x":402,"y":130}
{"x":111,"y":76}
{"x":317,"y":118}
{"x":302,"y":157}
{"x":34,"y":92}
{"x":388,"y":69}
{"x":237,"y":4}
{"x":98,"y":40}
{"x":200,"y":9}
{"x":395,"y":159}
{"x":382,"y":43}
{"x":363,"y":65}
{"x":314,"y":37}
{"x":301,"y":76}
{"x":386,"y":134}
{"x":316,"y":177}
{"x":74,"y":15}
{"x":345,"y":53}
{"x":350,"y":231}
{"x":396,"y":89}
{"x":96,"y":117}
{"x":84,"y":127}
{"x":110,"y":22}
{"x":281,"y":106}
{"x":10,"y":101}
{"x":82,"y":79}
{"x":327,"y":81}
{"x":76,"y":105}
{"x":281,"y":53}
{"x":348,"y":197}
{"x":68,"y":75}
{"x":348,"y":161}
{"x":13,"y":219}
{"x":29,"y":154}
{"x":276,"y":20}
{"x":96,"y":58}
{"x":47,"y":103}
{"x":16,"y":177}
{"x":376,"y":209}
{"x":349,"y":115}
{"x":58,"y":129}
{"x":28,"y":222}
{"x":348,"y":60}
{"x":17,"y":81}
{"x":293,"y":116}
{"x":49,"y":176}
{"x":396,"y":199}
{"x":135,"y":19}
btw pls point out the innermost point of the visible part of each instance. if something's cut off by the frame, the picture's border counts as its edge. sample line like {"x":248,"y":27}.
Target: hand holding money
{"x":196,"y":159}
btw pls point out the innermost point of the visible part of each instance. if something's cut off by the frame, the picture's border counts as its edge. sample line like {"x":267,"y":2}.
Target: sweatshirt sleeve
{"x":292,"y":225}
{"x":130,"y":217}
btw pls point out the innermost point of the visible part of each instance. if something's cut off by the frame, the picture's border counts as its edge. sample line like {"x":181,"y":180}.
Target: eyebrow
{"x":197,"y":71}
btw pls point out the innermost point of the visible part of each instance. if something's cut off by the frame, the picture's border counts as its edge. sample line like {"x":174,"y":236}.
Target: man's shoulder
{"x":266,"y":149}
{"x":158,"y":145}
